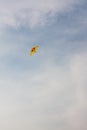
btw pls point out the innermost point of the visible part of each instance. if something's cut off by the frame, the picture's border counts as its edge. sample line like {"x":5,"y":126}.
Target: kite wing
{"x":33,"y":50}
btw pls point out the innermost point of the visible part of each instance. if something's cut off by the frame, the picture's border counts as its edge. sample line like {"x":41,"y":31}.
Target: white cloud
{"x":54,"y":98}
{"x":31,"y":13}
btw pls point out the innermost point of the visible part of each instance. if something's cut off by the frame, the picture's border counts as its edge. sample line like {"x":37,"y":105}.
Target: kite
{"x":33,"y":50}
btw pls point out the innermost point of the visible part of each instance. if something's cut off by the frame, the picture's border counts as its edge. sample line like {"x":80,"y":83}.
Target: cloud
{"x":32,"y":13}
{"x":53,"y":98}
{"x":42,"y":93}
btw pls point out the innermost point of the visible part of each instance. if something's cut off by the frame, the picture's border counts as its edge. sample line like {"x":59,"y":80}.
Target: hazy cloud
{"x":32,"y":13}
{"x":54,"y":98}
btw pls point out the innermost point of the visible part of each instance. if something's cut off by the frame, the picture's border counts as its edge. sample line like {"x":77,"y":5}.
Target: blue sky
{"x":48,"y":90}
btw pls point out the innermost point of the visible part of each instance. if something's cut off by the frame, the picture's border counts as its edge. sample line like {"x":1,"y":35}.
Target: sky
{"x":47,"y":91}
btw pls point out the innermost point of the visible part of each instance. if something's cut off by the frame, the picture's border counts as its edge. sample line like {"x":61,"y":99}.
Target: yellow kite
{"x":33,"y":50}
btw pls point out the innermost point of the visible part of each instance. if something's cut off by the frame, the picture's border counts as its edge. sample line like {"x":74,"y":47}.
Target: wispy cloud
{"x":53,"y":98}
{"x":32,"y":13}
{"x":47,"y":91}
